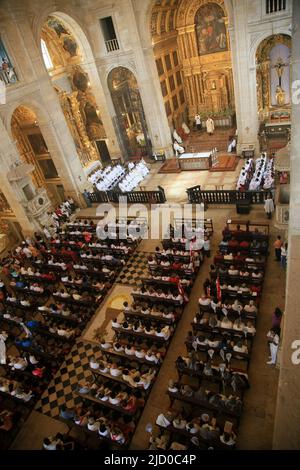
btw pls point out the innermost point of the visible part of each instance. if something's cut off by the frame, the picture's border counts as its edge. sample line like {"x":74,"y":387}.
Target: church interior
{"x":149,"y":225}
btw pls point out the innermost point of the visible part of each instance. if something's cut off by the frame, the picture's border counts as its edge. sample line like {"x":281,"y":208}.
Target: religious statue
{"x":280,"y":96}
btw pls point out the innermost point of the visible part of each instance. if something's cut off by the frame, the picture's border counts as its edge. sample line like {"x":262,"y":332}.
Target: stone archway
{"x":196,"y":77}
{"x":130,"y":117}
{"x":66,"y":59}
{"x":273,"y":76}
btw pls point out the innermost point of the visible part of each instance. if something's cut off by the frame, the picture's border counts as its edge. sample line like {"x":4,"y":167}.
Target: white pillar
{"x":287,"y":418}
{"x":149,"y":86}
{"x":52,"y":120}
{"x":244,"y":76}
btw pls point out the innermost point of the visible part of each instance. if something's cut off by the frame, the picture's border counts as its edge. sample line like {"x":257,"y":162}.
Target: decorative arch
{"x":187,"y":10}
{"x":259,"y":38}
{"x":30,"y":103}
{"x":199,"y":66}
{"x":72,"y":20}
{"x":273,"y":75}
{"x":76,"y":82}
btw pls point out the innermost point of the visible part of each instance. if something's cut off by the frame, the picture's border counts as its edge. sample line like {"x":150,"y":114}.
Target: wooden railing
{"x":132,"y":197}
{"x":196,"y":195}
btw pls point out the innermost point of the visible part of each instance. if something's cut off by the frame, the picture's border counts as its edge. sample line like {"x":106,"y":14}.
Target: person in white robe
{"x":185,"y":128}
{"x":269,"y":206}
{"x":210,"y":126}
{"x":178,"y":148}
{"x":177,"y":137}
{"x":232,"y":146}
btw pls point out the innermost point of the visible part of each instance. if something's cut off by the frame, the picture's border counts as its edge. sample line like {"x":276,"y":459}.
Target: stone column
{"x":244,"y":77}
{"x":52,"y":121}
{"x":101,"y":100}
{"x":287,"y":417}
{"x":149,"y":86}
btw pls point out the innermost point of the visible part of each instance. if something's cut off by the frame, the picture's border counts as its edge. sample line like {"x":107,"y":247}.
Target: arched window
{"x":46,"y":56}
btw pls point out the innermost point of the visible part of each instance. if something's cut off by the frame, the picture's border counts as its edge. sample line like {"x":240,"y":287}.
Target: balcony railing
{"x":112,"y":45}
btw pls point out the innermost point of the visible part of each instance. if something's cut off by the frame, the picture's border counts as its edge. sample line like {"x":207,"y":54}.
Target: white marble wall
{"x":287,"y":418}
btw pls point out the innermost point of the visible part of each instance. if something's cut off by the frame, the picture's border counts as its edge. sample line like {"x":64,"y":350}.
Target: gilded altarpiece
{"x":273,"y":73}
{"x":79,"y":104}
{"x":204,"y":47}
{"x":25,"y":149}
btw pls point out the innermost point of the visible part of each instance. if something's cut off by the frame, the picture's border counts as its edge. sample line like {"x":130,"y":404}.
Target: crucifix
{"x":280,"y":65}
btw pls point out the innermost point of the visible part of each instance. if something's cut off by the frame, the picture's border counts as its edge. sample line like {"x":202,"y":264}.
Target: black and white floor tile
{"x":135,"y":269}
{"x":74,"y":370}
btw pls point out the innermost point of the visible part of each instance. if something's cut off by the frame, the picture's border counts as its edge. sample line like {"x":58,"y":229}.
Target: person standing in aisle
{"x":277,"y":246}
{"x":210,"y":126}
{"x":269,"y":206}
{"x":198,"y":122}
{"x":87,"y":199}
{"x":284,"y":253}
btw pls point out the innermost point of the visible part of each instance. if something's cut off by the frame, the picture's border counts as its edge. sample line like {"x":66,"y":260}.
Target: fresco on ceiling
{"x":57,"y":26}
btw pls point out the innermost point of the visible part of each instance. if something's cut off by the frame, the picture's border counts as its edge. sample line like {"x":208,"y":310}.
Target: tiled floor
{"x":135,"y":269}
{"x":75,"y":369}
{"x":257,"y":421}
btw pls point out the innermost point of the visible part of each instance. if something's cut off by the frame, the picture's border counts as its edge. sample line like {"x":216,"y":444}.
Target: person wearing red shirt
{"x":176,"y":266}
{"x":131,"y":404}
{"x":244,"y":245}
{"x":233,"y":243}
{"x":256,"y":289}
{"x":239,"y":257}
{"x":87,"y":236}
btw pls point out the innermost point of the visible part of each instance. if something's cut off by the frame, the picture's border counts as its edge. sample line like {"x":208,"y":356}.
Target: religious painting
{"x":80,"y":80}
{"x":211,"y":29}
{"x":57,"y":26}
{"x":70,"y":46}
{"x":38,"y":144}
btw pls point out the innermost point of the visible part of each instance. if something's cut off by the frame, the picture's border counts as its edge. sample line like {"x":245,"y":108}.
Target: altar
{"x":3,"y":241}
{"x":195,"y":161}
